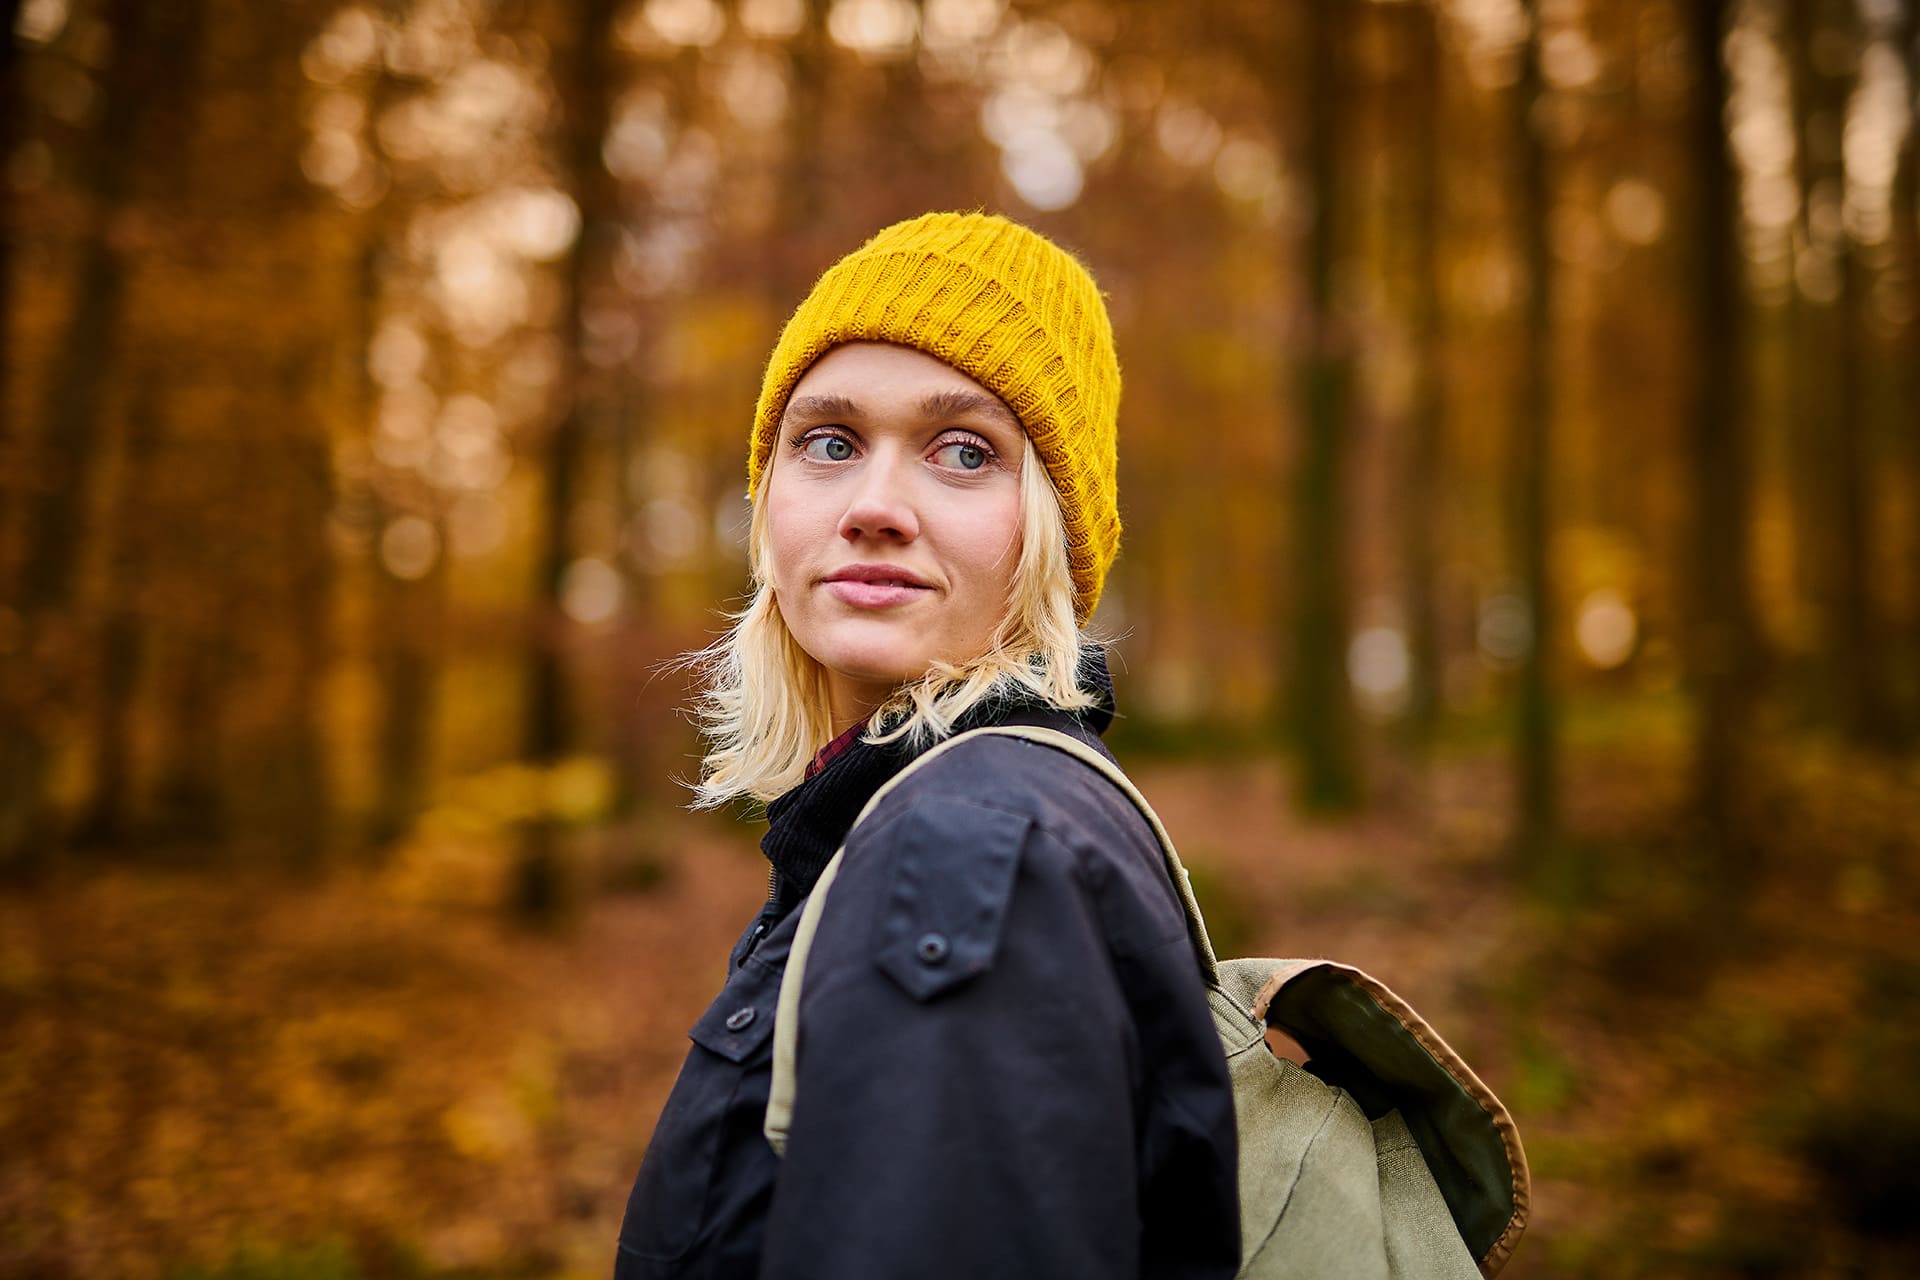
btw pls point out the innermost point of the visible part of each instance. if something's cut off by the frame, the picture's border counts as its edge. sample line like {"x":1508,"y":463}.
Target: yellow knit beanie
{"x":1011,"y":310}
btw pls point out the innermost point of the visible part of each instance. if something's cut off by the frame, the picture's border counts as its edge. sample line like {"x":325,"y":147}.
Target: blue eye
{"x":965,"y":457}
{"x":827,"y":449}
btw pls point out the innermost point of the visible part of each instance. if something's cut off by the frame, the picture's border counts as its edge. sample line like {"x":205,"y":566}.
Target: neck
{"x":851,"y":702}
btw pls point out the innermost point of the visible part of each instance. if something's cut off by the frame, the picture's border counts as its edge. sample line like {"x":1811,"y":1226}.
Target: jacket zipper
{"x":760,"y":925}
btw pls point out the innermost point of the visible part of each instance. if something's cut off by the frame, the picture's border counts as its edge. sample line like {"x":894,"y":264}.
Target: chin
{"x":867,"y":668}
{"x":870,"y":659}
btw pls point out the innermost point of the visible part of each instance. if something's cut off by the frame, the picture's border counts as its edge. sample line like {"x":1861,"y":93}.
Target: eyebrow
{"x":819,"y":407}
{"x":941,"y":404}
{"x":959,"y":404}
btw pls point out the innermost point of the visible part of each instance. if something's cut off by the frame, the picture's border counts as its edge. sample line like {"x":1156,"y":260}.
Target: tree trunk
{"x":796,"y":250}
{"x":1320,"y":710}
{"x":407,"y":618}
{"x":1535,"y":748}
{"x":302,"y":816}
{"x":109,"y":820}
{"x":410,"y":617}
{"x":1719,"y":651}
{"x":1906,"y":221}
{"x":189,"y":807}
{"x":409,"y":628}
{"x":13,"y":114}
{"x":1421,"y":481}
{"x":1857,"y":653}
{"x":585,"y":90}
{"x":110,"y":816}
{"x":307,"y":808}
{"x":1809,"y":370}
{"x":74,"y":406}
{"x":1830,"y":404}
{"x":641,"y":733}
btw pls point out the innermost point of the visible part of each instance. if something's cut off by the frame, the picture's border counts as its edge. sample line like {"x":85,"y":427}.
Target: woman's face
{"x":892,"y":506}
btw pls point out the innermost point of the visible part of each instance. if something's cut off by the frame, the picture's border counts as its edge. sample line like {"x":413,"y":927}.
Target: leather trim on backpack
{"x":1493,"y":1254}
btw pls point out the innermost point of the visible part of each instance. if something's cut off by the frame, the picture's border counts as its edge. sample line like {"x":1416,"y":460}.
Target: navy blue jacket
{"x":1007,"y":1066}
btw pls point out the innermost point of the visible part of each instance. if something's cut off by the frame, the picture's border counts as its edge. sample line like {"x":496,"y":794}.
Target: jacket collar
{"x":809,"y":823}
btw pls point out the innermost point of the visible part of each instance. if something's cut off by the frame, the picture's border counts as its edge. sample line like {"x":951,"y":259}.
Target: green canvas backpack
{"x":1390,"y":1161}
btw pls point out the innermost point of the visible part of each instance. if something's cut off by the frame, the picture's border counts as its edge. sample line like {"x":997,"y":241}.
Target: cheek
{"x":990,"y":546}
{"x":792,"y":540}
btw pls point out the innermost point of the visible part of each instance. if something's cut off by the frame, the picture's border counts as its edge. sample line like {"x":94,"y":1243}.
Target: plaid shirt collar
{"x":811,"y":820}
{"x":835,"y":749}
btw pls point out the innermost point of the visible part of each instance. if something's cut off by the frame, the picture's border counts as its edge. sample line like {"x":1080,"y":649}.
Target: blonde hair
{"x":763,"y":705}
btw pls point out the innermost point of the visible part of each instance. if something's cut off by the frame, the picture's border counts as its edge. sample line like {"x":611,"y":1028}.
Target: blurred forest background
{"x":1520,"y":597}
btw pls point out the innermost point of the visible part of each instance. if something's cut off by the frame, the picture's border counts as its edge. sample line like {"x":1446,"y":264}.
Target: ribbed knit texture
{"x":1011,"y":310}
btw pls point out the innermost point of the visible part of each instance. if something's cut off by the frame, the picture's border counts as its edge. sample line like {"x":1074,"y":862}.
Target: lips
{"x":876,"y":586}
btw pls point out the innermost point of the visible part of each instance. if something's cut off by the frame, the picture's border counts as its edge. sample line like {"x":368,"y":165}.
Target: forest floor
{"x":371,"y":1075}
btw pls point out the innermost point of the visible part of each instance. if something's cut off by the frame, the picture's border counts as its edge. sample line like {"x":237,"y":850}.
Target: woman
{"x":1008,"y":1066}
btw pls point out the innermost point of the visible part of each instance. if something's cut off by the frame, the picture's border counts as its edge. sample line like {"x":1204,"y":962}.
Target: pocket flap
{"x":947,"y":900}
{"x":740,"y":1019}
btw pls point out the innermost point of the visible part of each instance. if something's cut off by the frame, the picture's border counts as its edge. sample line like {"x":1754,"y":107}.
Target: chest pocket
{"x":740,"y":1018}
{"x":947,"y":895}
{"x":712,"y":1116}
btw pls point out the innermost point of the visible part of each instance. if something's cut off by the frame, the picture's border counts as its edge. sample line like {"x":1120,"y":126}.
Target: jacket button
{"x":932,"y":948}
{"x":740,"y":1019}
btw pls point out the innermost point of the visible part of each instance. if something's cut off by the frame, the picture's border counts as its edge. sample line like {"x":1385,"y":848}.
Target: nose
{"x":881,"y":506}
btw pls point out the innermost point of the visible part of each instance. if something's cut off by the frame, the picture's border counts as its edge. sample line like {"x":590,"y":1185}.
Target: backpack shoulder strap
{"x":786,"y":1022}
{"x":1182,"y":882}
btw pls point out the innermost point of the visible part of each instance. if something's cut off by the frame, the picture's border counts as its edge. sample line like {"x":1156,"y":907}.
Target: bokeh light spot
{"x":695,"y":23}
{"x":1380,"y":668}
{"x":41,"y":21}
{"x":754,"y":87}
{"x":1040,"y":54}
{"x":952,"y":24}
{"x":773,"y":19}
{"x":1044,"y":170}
{"x":1606,"y":628}
{"x":591,"y":590}
{"x":1187,"y":134}
{"x":670,"y":532}
{"x":1246,"y":170}
{"x":1505,"y":630}
{"x":1089,"y":128}
{"x":397,"y":354}
{"x":875,"y":29}
{"x":539,"y":223}
{"x":1636,"y":211}
{"x":409,"y":547}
